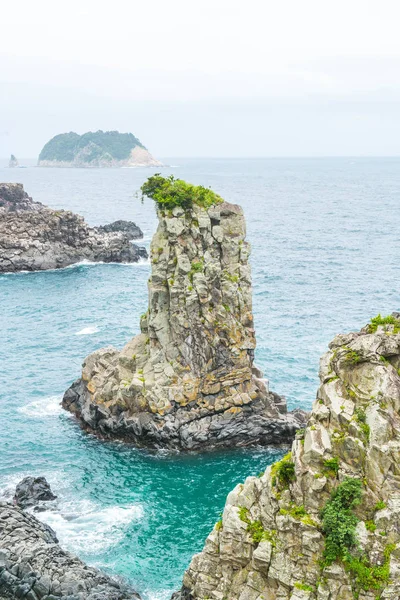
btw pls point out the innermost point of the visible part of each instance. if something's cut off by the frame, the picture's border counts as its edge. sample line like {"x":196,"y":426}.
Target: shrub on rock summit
{"x":169,"y":192}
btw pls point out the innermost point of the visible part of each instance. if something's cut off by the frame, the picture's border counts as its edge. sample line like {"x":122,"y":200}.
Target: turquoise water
{"x":325,"y":259}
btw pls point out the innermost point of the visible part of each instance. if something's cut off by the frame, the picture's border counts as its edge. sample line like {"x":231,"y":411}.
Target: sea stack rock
{"x":13,"y":162}
{"x":187,"y":381}
{"x":35,"y":567}
{"x":324,"y":522}
{"x":34,"y":237}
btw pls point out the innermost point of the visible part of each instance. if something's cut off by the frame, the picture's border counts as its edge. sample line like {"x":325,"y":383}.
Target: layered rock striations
{"x":188,"y":381}
{"x":35,"y":237}
{"x":96,"y":149}
{"x":323,"y":523}
{"x":35,"y":567}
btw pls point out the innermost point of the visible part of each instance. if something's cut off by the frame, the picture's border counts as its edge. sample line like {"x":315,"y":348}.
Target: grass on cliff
{"x":169,"y":192}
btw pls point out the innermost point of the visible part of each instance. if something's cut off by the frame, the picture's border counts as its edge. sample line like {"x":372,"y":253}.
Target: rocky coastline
{"x":188,"y":380}
{"x":36,"y":237}
{"x":324,"y":522}
{"x":35,"y":567}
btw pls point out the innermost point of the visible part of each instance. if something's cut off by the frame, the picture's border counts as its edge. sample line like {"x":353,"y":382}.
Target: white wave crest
{"x":88,"y":330}
{"x":45,"y":407}
{"x":84,"y":527}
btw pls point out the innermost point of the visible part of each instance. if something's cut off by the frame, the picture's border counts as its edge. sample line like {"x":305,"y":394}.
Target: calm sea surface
{"x":326,"y":255}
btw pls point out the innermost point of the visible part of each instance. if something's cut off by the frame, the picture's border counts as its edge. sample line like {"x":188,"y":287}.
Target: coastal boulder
{"x":32,"y":491}
{"x":188,"y":381}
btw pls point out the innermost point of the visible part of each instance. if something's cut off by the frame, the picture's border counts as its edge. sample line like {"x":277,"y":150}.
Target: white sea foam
{"x":88,"y":330}
{"x":45,"y":407}
{"x":83,"y":527}
{"x":160,"y":595}
{"x":57,"y":479}
{"x":83,"y":263}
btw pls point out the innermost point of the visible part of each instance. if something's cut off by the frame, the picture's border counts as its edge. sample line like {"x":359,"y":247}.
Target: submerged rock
{"x":32,"y":491}
{"x":188,"y":380}
{"x":35,"y":237}
{"x":130,"y":229}
{"x":33,"y":566}
{"x":323,"y":523}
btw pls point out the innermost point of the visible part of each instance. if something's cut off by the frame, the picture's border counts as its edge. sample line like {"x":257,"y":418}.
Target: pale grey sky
{"x":204,"y":78}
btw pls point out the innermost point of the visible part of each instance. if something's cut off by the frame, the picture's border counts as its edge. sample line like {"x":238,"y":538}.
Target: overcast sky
{"x":204,"y":77}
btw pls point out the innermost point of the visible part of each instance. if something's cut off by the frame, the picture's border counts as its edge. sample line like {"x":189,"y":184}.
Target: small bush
{"x":380,"y":505}
{"x":338,"y":520}
{"x":388,"y":320}
{"x":255,"y":528}
{"x":370,"y":526}
{"x":218,"y":525}
{"x":361,"y":419}
{"x":352,"y":357}
{"x":283,"y":472}
{"x":169,"y":192}
{"x":304,"y":586}
{"x":331,"y":467}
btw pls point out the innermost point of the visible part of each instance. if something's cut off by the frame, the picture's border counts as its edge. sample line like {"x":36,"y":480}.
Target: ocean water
{"x":326,"y":255}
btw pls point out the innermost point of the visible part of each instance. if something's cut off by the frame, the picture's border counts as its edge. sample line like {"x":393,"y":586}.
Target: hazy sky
{"x":204,"y":78}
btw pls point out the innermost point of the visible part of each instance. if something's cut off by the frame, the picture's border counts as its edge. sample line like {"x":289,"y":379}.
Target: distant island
{"x":96,"y":149}
{"x":13,"y":162}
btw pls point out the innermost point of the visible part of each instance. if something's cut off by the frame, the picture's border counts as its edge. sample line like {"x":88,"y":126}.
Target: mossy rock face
{"x":335,"y":517}
{"x":192,"y":383}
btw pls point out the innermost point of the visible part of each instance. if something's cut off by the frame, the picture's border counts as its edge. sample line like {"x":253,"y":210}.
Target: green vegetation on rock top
{"x":169,"y":192}
{"x":379,"y":320}
{"x":100,"y":144}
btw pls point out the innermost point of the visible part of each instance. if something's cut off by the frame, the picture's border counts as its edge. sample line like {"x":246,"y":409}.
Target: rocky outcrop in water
{"x":128,"y":227}
{"x":33,"y":491}
{"x":35,"y":237}
{"x":13,"y":162}
{"x":323,"y":523}
{"x":188,"y":381}
{"x":33,"y":566}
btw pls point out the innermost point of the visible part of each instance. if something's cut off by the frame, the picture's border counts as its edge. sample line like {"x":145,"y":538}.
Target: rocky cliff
{"x":96,"y":149}
{"x":324,"y":522}
{"x":34,"y":566}
{"x":35,"y":237}
{"x":188,"y":380}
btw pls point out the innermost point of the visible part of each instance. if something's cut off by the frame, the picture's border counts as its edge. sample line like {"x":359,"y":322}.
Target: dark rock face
{"x":35,"y":237}
{"x":31,"y":491}
{"x":188,"y":380}
{"x":128,"y":227}
{"x":33,"y":566}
